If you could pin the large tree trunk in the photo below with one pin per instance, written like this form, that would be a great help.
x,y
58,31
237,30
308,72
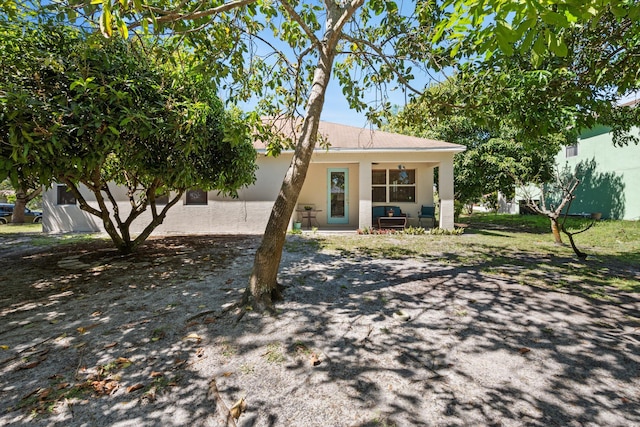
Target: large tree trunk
x,y
263,285
555,229
23,196
18,210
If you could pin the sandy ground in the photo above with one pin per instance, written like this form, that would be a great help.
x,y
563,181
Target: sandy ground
x,y
91,338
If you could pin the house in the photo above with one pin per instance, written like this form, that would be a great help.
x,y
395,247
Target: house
x,y
361,169
609,175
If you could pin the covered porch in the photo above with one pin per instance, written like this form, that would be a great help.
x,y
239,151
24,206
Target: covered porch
x,y
341,189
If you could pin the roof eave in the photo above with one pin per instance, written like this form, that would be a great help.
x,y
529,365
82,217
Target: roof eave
x,y
456,149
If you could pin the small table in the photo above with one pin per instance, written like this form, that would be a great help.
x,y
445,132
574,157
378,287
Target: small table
x,y
308,214
392,222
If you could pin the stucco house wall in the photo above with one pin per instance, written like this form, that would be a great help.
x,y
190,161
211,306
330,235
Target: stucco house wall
x,y
609,175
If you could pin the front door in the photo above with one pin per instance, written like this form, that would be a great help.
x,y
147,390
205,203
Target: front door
x,y
338,188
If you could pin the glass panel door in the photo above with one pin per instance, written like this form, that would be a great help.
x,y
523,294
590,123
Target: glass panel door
x,y
338,188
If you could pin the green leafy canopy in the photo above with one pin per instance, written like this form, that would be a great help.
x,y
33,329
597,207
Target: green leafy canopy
x,y
81,109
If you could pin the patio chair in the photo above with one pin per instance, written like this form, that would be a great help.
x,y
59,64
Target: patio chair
x,y
427,212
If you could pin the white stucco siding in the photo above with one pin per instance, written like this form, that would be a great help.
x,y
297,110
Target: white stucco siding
x,y
248,214
446,193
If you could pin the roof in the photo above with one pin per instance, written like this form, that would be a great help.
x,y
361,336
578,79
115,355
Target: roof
x,y
350,138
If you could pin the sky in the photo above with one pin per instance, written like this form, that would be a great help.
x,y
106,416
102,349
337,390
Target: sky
x,y
336,109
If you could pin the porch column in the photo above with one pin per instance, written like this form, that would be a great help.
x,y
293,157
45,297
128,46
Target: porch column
x,y
445,187
364,187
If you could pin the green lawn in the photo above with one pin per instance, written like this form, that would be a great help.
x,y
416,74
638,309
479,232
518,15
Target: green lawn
x,y
519,247
513,246
18,234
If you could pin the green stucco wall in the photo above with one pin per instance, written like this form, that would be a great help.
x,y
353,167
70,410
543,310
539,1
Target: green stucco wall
x,y
610,176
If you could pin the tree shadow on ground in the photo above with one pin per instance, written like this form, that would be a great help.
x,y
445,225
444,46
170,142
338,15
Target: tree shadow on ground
x,y
480,346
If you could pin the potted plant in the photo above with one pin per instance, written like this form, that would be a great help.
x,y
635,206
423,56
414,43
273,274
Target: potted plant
x,y
308,208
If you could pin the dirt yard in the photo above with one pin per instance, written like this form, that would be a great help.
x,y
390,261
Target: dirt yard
x,y
92,338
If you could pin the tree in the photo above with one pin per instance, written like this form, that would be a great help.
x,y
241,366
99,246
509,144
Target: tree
x,y
25,192
554,202
80,109
495,159
561,68
378,41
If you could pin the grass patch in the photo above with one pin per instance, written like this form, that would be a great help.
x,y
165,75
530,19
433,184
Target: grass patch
x,y
20,234
12,228
519,248
274,353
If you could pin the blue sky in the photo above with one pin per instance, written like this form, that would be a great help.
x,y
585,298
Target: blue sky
x,y
336,109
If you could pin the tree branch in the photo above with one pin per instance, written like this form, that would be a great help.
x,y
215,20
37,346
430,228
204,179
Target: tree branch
x,y
344,17
385,58
173,16
297,18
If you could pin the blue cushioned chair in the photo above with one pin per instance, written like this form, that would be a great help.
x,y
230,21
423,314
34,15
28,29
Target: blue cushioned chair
x,y
427,212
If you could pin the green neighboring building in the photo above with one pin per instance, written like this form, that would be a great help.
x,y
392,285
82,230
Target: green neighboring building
x,y
610,175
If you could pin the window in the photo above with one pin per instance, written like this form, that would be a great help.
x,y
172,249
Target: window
x,y
379,185
65,197
572,150
393,185
196,197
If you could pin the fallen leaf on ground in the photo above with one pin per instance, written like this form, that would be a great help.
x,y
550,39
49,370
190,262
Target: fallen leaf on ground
x,y
4,347
237,409
134,387
193,336
110,345
156,374
315,359
43,395
104,386
29,365
524,350
123,362
84,329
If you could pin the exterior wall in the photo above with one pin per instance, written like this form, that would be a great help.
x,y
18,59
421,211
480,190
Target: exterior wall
x,y
609,176
248,214
314,192
360,165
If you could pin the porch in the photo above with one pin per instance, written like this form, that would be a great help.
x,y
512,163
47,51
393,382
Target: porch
x,y
340,196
